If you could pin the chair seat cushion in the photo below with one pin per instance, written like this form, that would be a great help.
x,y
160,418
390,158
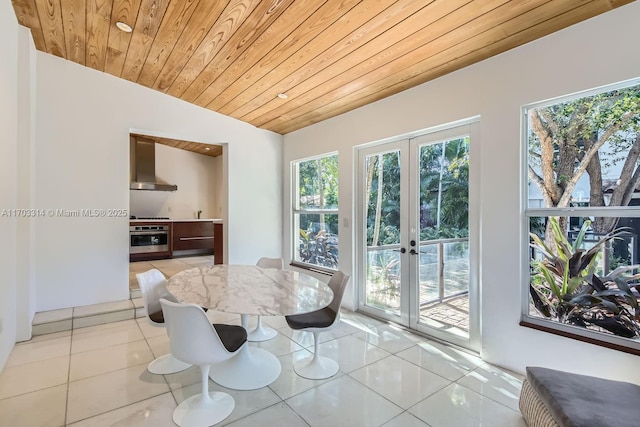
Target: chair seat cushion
x,y
322,318
584,401
232,336
158,316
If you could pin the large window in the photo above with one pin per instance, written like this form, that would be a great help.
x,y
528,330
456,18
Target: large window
x,y
315,212
583,215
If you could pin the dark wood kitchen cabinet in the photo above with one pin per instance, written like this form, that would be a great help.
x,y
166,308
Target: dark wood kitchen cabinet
x,y
193,235
218,246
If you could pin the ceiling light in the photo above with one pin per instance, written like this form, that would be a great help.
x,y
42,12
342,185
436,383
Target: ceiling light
x,y
124,27
283,96
207,148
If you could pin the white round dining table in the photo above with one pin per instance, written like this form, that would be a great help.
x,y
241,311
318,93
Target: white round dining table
x,y
249,290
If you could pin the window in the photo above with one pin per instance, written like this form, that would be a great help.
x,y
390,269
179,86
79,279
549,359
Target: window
x,y
315,212
583,216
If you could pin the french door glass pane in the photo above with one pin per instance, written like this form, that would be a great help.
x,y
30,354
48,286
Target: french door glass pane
x,y
456,268
383,279
428,274
444,229
382,287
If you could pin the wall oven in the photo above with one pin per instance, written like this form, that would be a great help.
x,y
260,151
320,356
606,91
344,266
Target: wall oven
x,y
149,241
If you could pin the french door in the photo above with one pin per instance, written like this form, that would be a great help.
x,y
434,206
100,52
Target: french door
x,y
417,245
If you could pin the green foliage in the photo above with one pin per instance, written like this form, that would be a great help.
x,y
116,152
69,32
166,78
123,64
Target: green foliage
x,y
390,207
537,225
383,278
319,248
318,182
384,268
444,190
318,189
565,286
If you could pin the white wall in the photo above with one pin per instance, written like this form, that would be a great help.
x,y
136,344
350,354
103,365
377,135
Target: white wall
x,y
82,162
219,186
196,177
25,245
594,53
8,176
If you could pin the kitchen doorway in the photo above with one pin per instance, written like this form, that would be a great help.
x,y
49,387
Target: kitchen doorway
x,y
188,187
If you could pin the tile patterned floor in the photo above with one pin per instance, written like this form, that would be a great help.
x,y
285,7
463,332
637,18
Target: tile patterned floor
x,y
96,376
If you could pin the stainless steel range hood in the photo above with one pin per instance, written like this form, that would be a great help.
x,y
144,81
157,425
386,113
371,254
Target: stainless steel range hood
x,y
143,166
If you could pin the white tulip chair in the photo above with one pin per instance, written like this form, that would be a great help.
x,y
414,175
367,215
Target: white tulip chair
x,y
195,340
318,367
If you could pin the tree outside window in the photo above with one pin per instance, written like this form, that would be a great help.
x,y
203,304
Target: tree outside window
x,y
584,210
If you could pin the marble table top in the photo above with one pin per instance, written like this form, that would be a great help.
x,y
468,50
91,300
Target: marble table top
x,y
247,289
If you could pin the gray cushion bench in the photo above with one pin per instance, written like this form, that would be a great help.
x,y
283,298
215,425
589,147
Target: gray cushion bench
x,y
551,398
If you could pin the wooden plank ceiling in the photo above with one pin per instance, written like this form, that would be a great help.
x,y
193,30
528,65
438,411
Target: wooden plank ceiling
x,y
196,147
328,56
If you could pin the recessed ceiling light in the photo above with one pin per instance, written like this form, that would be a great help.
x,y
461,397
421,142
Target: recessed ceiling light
x,y
207,148
124,27
283,96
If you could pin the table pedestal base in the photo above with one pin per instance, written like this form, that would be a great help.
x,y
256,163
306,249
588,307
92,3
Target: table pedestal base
x,y
250,369
260,333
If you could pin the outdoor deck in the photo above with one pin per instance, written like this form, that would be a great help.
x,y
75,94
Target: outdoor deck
x,y
451,313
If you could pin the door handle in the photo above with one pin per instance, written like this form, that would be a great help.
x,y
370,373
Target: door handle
x,y
413,252
401,250
196,238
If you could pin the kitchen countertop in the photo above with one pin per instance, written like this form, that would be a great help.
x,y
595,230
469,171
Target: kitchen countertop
x,y
214,220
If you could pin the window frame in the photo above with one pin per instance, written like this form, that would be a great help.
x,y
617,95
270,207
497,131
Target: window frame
x,y
297,210
612,341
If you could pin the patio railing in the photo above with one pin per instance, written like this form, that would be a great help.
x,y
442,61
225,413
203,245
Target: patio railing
x,y
444,269
443,274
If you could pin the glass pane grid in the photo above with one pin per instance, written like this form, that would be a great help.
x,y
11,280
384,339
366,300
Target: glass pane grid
x,y
583,212
443,273
315,212
382,219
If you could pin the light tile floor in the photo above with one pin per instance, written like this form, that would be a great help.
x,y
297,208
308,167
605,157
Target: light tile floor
x,y
96,376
